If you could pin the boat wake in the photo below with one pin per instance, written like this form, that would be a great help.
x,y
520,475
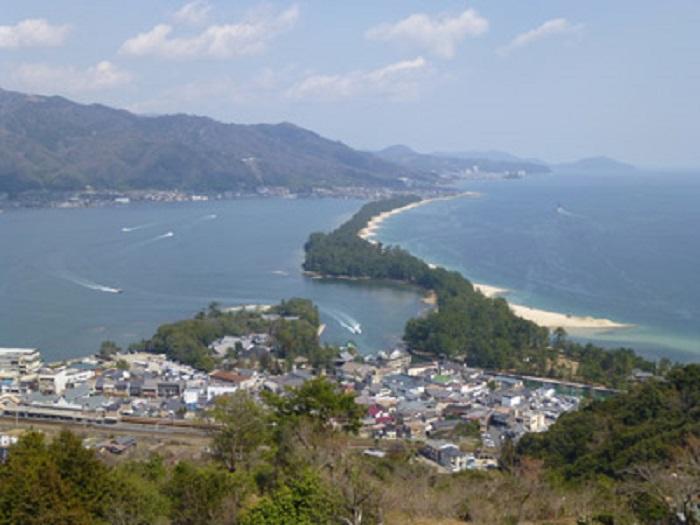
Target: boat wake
x,y
166,235
348,323
566,213
94,286
280,272
129,229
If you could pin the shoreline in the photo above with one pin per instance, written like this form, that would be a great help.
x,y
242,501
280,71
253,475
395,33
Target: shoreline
x,y
545,318
368,232
550,319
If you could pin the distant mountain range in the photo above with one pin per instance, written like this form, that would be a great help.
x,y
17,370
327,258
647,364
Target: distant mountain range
x,y
460,163
53,144
493,161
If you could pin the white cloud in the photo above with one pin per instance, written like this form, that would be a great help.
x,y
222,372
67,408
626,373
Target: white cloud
x,y
398,81
556,26
69,79
439,34
194,13
216,41
33,32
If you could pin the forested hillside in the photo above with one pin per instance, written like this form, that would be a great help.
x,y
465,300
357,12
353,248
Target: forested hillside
x,y
53,144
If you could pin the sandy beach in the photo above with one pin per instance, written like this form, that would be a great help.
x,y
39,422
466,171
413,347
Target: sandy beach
x,y
541,317
551,319
368,232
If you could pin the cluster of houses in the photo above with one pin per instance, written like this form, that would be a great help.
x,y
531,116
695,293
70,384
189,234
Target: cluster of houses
x,y
439,404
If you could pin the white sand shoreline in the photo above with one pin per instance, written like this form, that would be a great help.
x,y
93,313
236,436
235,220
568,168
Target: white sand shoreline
x,y
538,316
368,232
550,319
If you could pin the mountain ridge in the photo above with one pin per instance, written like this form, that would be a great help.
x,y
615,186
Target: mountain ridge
x,y
50,143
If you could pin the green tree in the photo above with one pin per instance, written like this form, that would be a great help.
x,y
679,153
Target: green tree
x,y
198,494
108,349
242,427
320,401
301,501
33,491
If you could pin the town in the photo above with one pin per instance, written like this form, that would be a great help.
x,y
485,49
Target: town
x,y
459,416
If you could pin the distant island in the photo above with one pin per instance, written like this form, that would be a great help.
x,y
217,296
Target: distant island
x,y
595,165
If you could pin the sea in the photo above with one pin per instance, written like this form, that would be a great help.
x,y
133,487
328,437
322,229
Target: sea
x,y
72,278
622,247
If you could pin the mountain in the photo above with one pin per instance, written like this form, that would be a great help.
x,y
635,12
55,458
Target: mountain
x,y
595,165
53,144
495,155
445,164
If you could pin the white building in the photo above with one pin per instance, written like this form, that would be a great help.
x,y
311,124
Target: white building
x,y
57,380
20,361
220,390
534,421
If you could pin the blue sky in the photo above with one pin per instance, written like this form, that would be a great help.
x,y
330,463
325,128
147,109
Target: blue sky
x,y
556,80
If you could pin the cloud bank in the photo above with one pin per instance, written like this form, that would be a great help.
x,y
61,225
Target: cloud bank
x,y
439,35
556,26
32,32
398,81
216,41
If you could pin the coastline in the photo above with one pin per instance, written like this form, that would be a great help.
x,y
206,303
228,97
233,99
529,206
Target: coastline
x,y
368,232
545,318
551,319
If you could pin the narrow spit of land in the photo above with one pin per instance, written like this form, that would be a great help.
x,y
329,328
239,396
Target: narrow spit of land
x,y
469,322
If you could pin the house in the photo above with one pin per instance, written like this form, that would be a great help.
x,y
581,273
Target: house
x,y
447,455
352,371
534,421
239,378
169,388
213,391
418,369
453,459
511,399
397,359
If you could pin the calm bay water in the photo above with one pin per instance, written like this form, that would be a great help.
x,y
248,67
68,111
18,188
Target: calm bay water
x,y
59,270
620,247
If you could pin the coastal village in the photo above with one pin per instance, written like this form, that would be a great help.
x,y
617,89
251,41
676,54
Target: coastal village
x,y
458,417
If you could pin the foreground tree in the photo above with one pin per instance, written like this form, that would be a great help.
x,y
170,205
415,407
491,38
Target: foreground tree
x,y
242,426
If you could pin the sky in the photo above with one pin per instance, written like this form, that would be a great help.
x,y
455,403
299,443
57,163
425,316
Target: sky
x,y
551,79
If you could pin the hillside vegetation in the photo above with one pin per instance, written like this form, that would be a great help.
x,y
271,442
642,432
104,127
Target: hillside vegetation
x,y
53,144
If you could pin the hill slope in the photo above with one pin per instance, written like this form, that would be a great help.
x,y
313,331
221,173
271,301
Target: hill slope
x,y
51,143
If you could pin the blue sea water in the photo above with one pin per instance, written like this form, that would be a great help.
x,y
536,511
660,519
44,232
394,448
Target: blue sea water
x,y
620,247
623,247
60,269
